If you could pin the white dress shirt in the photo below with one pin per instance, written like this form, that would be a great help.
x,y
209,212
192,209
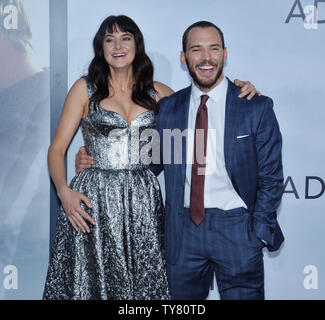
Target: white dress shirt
x,y
218,189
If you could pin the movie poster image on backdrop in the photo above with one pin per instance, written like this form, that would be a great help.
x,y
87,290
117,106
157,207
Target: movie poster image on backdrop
x,y
24,139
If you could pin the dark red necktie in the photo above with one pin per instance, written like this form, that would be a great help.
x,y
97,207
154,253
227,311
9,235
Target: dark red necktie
x,y
198,167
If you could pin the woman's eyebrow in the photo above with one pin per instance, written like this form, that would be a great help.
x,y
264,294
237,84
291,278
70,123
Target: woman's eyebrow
x,y
123,34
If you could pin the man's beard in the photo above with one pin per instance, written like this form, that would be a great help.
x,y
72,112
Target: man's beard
x,y
200,83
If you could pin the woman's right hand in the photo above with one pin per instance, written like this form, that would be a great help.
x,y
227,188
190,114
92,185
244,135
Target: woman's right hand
x,y
71,204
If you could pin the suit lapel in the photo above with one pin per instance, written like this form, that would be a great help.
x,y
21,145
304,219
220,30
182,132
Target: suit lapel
x,y
233,115
234,109
182,107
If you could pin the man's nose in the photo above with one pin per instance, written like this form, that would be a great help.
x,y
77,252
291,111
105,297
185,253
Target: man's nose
x,y
206,55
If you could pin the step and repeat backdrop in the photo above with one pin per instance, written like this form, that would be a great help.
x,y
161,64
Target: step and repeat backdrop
x,y
24,140
277,45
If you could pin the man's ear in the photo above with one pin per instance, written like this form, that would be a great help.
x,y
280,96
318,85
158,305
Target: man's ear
x,y
225,54
183,60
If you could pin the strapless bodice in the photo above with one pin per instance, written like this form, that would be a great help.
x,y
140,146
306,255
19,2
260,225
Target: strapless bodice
x,y
115,144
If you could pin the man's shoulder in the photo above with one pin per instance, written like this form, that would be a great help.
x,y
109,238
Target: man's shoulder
x,y
256,101
260,101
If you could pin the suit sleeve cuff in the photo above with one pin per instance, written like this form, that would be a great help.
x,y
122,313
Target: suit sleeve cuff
x,y
264,232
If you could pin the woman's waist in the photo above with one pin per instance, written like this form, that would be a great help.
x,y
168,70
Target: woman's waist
x,y
92,175
111,168
119,160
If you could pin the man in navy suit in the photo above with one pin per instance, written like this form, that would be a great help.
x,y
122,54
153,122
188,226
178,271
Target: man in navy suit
x,y
221,208
221,203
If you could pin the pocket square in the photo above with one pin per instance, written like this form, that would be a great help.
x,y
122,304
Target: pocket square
x,y
240,137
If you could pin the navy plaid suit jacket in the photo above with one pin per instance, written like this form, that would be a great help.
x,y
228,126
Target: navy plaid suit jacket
x,y
253,163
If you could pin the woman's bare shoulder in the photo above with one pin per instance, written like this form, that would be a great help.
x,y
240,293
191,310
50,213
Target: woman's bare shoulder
x,y
80,85
79,91
77,97
162,90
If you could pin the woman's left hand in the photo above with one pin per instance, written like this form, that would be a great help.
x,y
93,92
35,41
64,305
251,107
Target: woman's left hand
x,y
247,88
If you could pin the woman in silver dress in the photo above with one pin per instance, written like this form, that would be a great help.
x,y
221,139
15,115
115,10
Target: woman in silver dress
x,y
109,237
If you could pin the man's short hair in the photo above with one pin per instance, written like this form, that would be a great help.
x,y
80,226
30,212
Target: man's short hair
x,y
201,24
21,36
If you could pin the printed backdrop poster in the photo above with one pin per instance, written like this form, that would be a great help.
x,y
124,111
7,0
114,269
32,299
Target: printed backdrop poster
x,y
277,45
24,140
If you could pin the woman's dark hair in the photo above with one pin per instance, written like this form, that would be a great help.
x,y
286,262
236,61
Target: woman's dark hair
x,y
99,72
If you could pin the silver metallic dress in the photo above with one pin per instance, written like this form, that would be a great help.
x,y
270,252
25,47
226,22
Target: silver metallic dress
x,y
123,255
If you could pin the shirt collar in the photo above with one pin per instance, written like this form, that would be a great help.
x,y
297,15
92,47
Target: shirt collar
x,y
215,94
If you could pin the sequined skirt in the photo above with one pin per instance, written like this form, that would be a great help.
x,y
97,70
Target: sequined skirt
x,y
123,255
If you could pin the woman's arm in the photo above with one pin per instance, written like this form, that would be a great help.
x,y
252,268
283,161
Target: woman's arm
x,y
75,107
